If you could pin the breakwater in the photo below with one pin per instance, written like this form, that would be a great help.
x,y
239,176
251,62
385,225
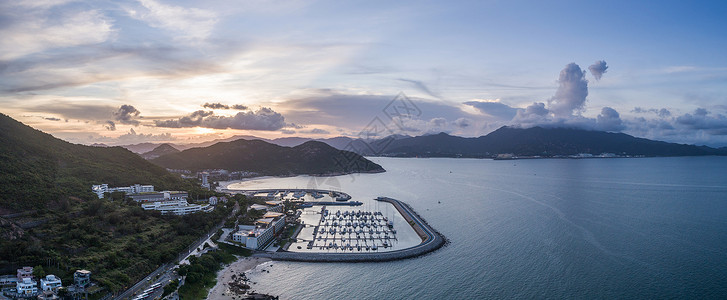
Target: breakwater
x,y
431,240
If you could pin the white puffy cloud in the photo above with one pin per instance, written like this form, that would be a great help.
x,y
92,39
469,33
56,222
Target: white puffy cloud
x,y
570,97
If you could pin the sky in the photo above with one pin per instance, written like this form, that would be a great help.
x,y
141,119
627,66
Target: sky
x,y
126,72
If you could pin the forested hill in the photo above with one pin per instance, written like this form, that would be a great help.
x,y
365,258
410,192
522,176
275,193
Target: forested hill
x,y
312,158
37,170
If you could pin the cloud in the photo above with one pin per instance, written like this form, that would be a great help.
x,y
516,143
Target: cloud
x,y
75,111
437,122
572,92
703,120
663,112
224,106
462,122
598,68
497,110
192,24
110,125
420,86
215,106
126,115
533,114
609,120
287,131
51,118
316,131
263,119
192,120
36,29
133,137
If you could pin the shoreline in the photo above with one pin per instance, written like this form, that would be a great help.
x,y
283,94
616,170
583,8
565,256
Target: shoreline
x,y
221,290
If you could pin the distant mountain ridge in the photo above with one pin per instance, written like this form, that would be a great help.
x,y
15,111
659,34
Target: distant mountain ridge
x,y
311,158
535,141
160,150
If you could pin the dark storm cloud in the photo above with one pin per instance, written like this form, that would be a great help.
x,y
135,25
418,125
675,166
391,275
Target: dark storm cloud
x,y
110,125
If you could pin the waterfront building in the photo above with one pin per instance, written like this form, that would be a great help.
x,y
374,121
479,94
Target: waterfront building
x,y
50,283
82,278
256,237
27,287
175,207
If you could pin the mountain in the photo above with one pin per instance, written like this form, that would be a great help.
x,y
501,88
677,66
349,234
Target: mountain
x,y
535,141
312,157
160,150
37,169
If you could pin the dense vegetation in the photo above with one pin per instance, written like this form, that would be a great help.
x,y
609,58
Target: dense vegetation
x,y
530,142
314,158
50,218
118,241
38,170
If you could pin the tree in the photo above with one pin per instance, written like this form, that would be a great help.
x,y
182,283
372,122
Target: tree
x,y
38,271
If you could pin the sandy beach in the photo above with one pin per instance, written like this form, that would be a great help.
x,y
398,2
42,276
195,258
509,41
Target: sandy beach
x,y
222,290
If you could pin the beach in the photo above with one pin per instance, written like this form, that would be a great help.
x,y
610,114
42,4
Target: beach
x,y
232,273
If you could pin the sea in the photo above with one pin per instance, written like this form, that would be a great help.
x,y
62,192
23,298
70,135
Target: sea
x,y
617,228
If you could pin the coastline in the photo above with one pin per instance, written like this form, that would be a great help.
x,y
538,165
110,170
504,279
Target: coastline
x,y
221,289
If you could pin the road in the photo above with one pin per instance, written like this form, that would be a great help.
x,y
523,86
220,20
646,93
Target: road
x,y
168,269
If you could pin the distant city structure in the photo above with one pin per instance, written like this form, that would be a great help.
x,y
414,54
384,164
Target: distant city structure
x,y
100,189
205,178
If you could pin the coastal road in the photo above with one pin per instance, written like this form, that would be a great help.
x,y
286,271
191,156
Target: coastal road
x,y
169,267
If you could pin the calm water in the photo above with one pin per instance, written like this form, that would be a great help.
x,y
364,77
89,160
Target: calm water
x,y
592,228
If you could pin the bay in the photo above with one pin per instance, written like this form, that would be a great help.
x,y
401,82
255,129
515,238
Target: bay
x,y
547,228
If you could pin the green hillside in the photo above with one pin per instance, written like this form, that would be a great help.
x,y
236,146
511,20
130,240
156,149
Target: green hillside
x,y
38,170
50,218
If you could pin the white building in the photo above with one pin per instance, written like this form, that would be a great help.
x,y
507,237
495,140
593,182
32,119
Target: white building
x,y
100,189
175,207
159,196
258,236
50,283
205,179
27,287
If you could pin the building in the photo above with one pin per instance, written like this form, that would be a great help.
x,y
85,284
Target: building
x,y
25,272
82,278
100,189
159,196
6,280
205,179
27,287
50,283
213,200
175,207
256,237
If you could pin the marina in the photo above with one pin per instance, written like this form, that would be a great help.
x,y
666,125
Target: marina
x,y
352,231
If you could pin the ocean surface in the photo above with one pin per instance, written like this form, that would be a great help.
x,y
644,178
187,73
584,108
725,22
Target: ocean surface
x,y
551,228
